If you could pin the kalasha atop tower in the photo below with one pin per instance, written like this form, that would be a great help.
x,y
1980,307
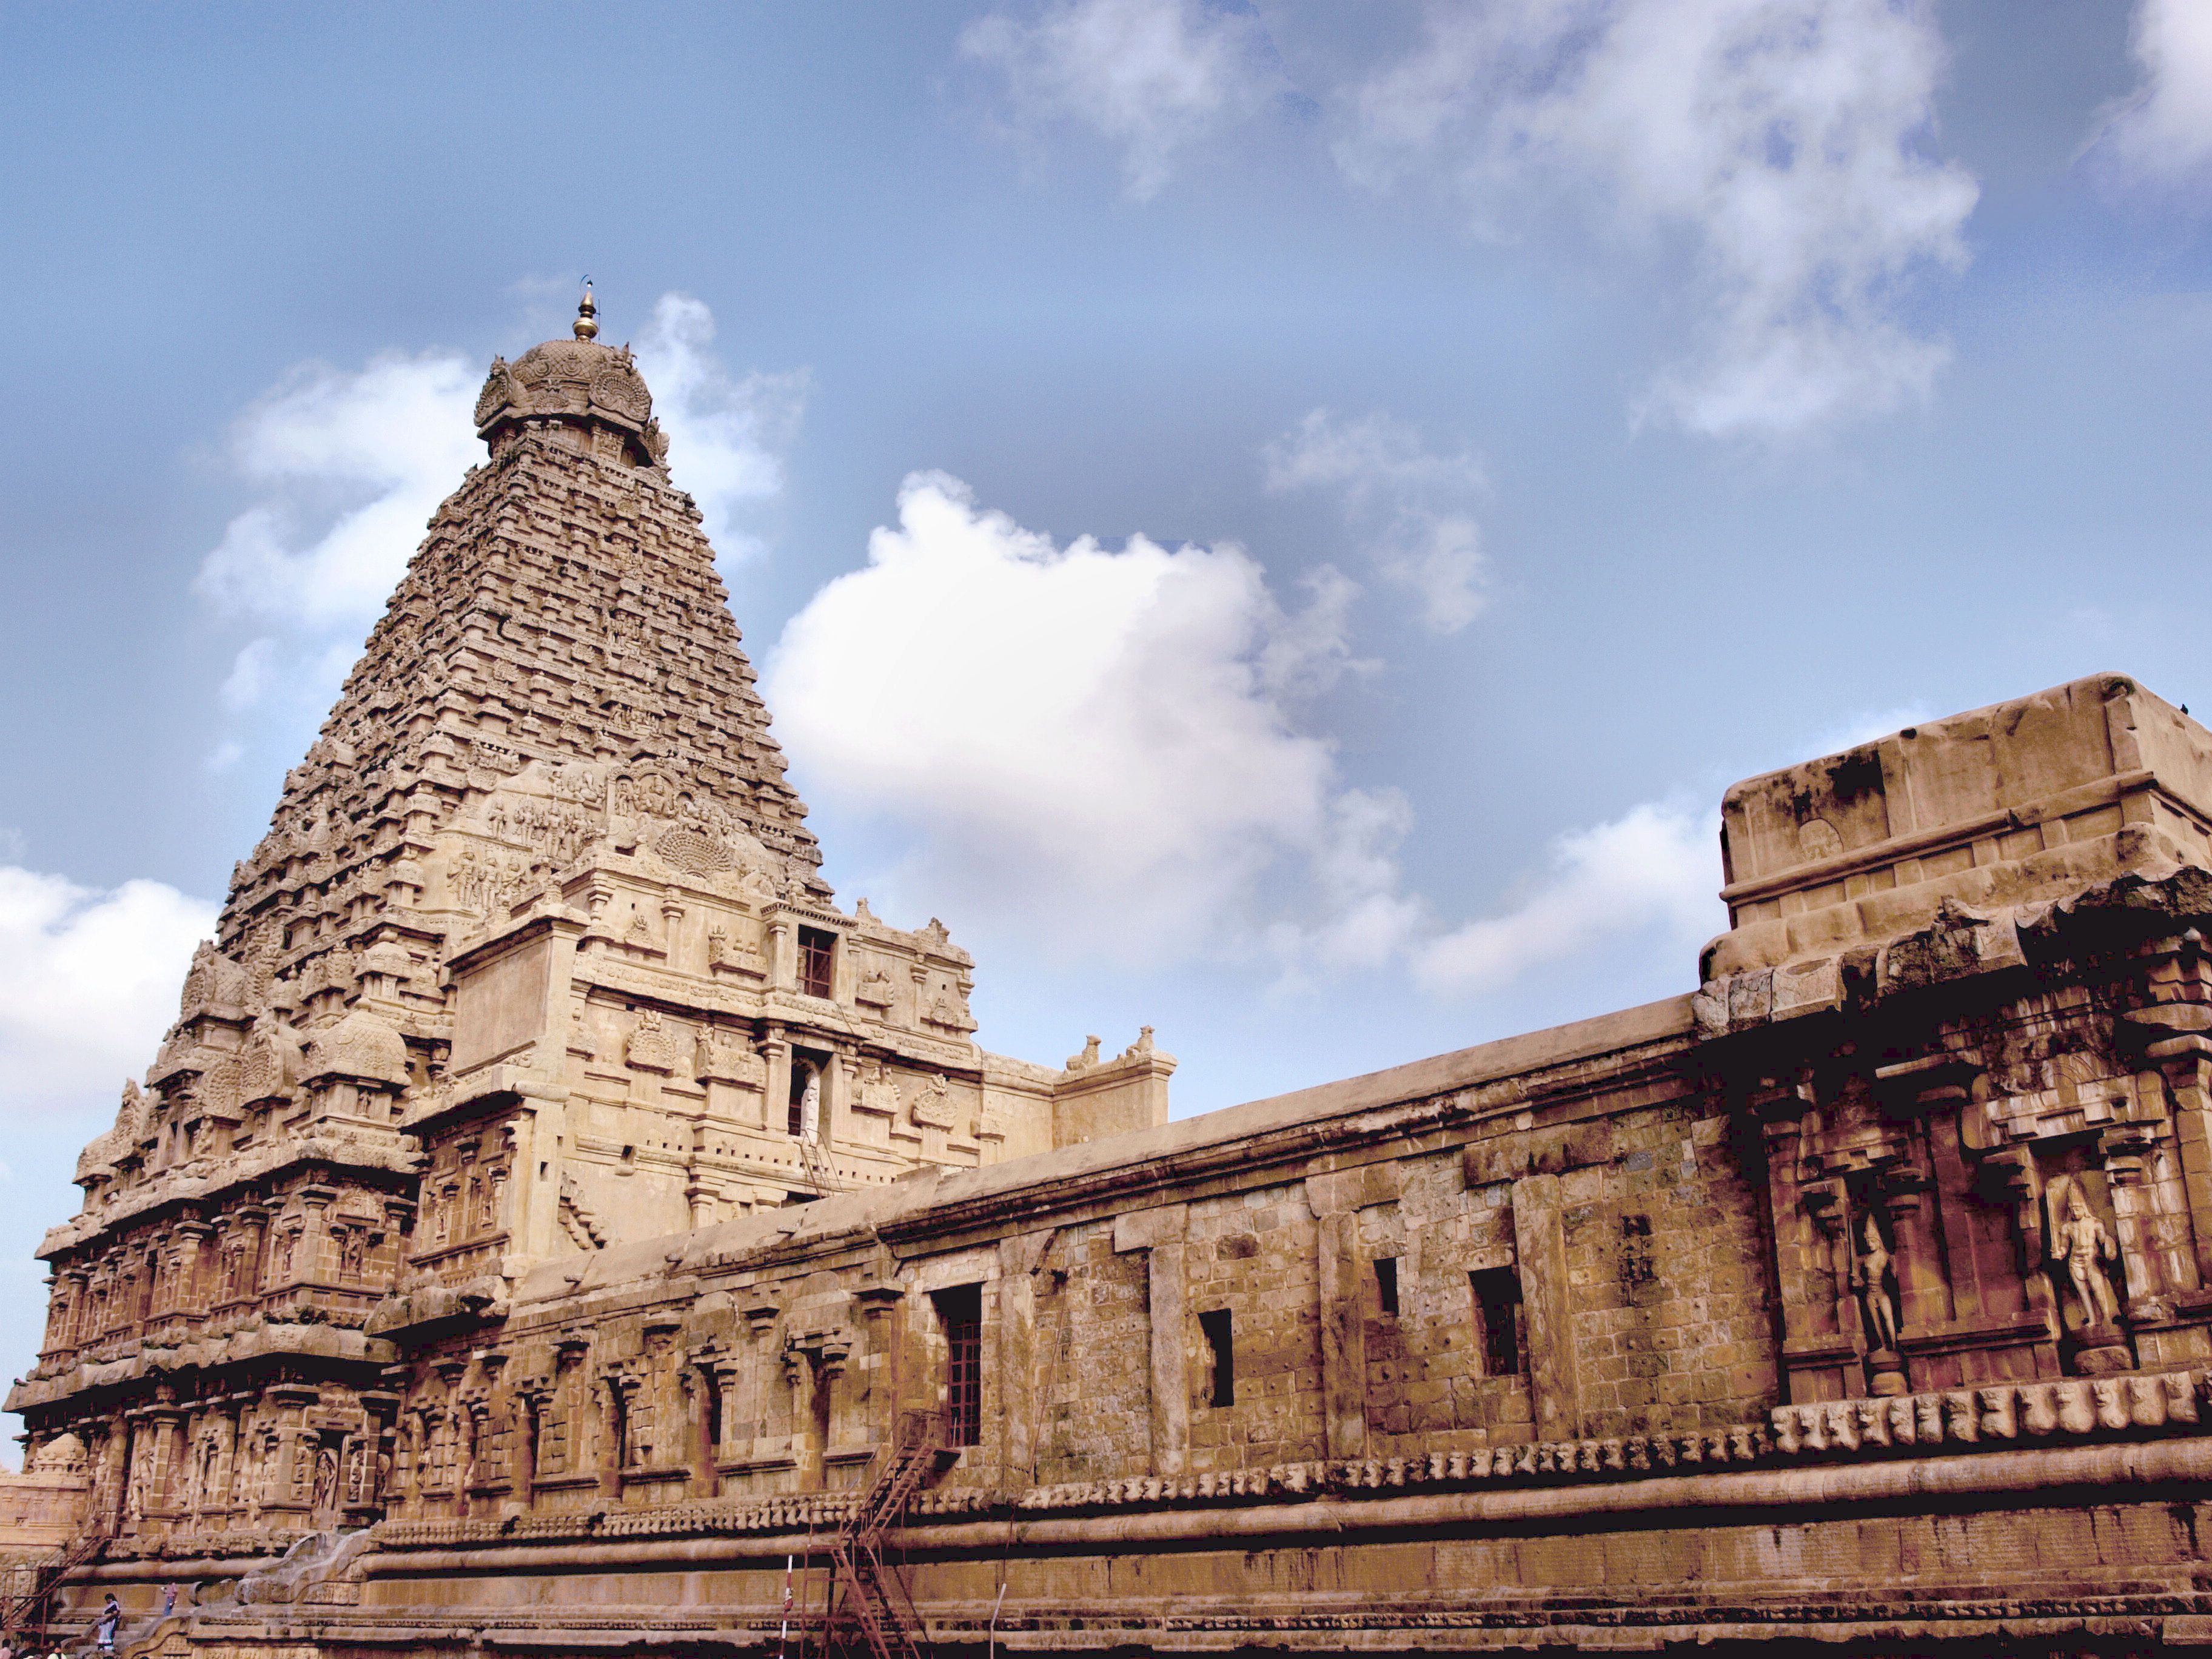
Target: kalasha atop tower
x,y
536,956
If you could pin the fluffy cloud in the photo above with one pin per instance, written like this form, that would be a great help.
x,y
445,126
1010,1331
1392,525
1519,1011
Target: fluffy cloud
x,y
1153,76
1102,747
725,437
350,464
1779,140
1409,505
87,984
2162,133
1655,870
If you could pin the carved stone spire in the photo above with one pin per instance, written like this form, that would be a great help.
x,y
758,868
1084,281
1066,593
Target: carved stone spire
x,y
563,608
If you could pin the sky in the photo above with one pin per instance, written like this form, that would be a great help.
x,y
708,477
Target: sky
x,y
1278,521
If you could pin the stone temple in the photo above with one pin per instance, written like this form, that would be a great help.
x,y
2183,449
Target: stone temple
x,y
554,1223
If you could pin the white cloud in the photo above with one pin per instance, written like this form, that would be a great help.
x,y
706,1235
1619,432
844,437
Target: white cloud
x,y
726,438
2162,133
249,675
1153,76
366,456
1654,870
1780,140
88,985
1101,748
1408,505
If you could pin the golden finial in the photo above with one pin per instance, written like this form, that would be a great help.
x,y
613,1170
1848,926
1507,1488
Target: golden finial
x,y
588,312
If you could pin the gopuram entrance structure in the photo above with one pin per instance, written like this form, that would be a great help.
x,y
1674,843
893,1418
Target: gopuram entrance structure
x,y
554,1224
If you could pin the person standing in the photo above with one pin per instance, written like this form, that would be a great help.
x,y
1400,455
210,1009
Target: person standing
x,y
110,1616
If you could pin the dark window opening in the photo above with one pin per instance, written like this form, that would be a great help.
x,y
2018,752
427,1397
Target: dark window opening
x,y
960,1309
1221,1386
621,1436
1386,1284
1498,1317
713,1417
818,956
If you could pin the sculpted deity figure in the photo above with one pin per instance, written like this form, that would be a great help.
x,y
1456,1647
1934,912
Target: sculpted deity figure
x,y
1871,1276
810,1108
2081,1245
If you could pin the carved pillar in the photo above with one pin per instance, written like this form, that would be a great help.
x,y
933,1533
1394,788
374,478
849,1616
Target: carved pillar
x,y
617,1446
315,1264
782,960
1820,1347
761,1319
879,1299
534,1400
291,1487
252,1225
1540,1239
834,1410
1160,1233
1016,1380
189,1295
836,1119
712,1379
164,1426
776,1052
123,1439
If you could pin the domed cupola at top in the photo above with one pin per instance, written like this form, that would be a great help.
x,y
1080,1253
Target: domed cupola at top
x,y
584,394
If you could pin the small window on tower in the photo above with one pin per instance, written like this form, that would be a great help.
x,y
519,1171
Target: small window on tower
x,y
1221,1388
1497,1319
1386,1284
817,957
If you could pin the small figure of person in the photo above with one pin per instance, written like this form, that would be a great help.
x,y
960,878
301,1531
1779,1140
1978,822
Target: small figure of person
x,y
2082,1244
1877,1288
111,1617
168,1599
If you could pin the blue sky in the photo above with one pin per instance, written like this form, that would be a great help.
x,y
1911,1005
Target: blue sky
x,y
1530,415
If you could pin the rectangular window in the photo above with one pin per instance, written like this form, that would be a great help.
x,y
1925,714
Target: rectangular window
x,y
961,1311
1221,1386
1386,1284
817,957
1497,1319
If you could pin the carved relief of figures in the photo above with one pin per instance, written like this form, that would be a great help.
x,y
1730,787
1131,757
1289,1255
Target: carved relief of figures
x,y
649,1049
726,1057
488,1212
1874,1279
873,1091
810,1107
2081,1248
949,1008
327,1479
723,952
930,1104
875,987
353,1253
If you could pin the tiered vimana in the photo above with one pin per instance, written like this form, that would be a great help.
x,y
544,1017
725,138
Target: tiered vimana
x,y
536,956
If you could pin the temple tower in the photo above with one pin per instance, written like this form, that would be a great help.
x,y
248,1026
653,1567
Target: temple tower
x,y
536,956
